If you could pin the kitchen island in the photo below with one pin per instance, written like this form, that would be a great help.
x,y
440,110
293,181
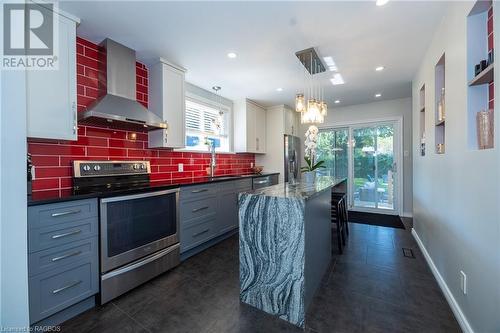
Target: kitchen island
x,y
285,245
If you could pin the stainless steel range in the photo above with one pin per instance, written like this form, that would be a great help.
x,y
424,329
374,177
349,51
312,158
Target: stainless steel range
x,y
138,225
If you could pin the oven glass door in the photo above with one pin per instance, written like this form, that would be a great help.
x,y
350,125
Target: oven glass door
x,y
137,225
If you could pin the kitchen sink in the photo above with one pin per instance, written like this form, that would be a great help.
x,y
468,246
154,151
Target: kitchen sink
x,y
225,177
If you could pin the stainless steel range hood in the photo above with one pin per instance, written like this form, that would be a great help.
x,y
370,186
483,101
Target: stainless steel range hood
x,y
118,107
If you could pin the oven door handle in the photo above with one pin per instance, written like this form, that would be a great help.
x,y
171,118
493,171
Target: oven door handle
x,y
139,196
141,263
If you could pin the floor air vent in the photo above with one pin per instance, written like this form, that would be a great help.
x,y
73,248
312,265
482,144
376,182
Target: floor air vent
x,y
408,253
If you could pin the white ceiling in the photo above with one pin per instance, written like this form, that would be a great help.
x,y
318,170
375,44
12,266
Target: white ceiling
x,y
265,36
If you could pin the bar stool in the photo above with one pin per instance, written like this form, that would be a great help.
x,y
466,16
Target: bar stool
x,y
338,218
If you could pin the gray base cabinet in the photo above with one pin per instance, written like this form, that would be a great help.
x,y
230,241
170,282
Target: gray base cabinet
x,y
63,256
209,211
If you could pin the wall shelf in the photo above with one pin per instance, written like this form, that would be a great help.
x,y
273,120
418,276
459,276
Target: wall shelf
x,y
422,121
485,77
440,104
480,88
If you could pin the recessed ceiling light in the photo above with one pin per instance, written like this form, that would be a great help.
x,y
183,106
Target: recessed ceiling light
x,y
379,68
231,55
381,2
332,67
337,101
279,89
378,95
337,79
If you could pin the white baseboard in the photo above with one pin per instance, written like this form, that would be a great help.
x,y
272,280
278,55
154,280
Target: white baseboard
x,y
457,311
407,214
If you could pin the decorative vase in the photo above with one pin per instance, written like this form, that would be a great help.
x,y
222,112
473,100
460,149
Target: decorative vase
x,y
309,177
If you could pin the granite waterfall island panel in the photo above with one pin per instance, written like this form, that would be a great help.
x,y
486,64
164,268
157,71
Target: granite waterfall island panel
x,y
285,246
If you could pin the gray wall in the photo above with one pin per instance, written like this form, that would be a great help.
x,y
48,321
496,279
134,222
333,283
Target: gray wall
x,y
13,208
456,195
341,116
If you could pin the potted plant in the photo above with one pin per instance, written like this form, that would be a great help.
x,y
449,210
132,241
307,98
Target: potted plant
x,y
310,170
310,153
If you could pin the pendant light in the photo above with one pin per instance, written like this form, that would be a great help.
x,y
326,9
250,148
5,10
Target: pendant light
x,y
313,109
217,121
300,103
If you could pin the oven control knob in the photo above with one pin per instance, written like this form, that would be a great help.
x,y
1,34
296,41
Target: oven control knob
x,y
86,167
143,167
136,166
97,168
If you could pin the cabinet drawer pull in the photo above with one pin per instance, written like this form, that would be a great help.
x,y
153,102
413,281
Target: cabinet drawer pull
x,y
261,181
72,284
74,232
201,233
64,256
69,212
199,191
198,209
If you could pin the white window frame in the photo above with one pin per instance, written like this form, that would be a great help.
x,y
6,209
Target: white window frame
x,y
229,122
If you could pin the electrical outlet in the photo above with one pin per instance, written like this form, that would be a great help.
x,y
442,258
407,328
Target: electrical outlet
x,y
251,164
180,167
463,282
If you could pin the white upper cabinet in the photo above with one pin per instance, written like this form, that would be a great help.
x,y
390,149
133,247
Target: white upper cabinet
x,y
51,94
249,127
167,98
291,121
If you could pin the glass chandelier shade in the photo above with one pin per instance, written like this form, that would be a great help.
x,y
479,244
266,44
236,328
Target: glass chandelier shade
x,y
300,103
313,113
323,108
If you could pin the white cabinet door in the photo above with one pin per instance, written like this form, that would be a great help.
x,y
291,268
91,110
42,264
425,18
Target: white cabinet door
x,y
51,94
291,122
260,130
249,127
251,115
168,101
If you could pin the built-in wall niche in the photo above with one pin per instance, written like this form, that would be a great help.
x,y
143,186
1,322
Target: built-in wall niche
x,y
422,120
440,114
480,70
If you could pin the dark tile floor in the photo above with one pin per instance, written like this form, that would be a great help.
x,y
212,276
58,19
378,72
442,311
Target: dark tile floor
x,y
372,287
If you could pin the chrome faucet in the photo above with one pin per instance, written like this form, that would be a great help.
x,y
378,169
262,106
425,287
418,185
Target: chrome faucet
x,y
213,163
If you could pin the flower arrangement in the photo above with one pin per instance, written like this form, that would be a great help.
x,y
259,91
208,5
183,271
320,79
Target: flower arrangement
x,y
311,144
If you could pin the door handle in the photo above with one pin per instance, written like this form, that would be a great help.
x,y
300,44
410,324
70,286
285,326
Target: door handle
x,y
69,212
64,256
72,284
201,233
199,191
74,232
262,182
199,209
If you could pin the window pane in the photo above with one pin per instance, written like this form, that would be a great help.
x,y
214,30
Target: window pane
x,y
203,123
192,119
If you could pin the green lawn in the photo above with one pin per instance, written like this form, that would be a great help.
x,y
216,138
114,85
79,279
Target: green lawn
x,y
359,182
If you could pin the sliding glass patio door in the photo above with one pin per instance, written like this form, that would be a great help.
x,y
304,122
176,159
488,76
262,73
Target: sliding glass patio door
x,y
367,154
373,179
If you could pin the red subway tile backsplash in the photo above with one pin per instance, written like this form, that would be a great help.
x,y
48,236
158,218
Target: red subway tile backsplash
x,y
53,160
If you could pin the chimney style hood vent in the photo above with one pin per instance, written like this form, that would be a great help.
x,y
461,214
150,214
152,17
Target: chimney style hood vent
x,y
117,107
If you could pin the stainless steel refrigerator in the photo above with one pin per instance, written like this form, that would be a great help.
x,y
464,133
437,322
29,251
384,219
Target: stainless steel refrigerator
x,y
293,156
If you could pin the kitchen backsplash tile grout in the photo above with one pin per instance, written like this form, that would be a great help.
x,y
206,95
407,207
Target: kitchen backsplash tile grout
x,y
53,159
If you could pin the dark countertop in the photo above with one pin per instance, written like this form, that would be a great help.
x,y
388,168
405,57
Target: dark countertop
x,y
301,190
41,198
